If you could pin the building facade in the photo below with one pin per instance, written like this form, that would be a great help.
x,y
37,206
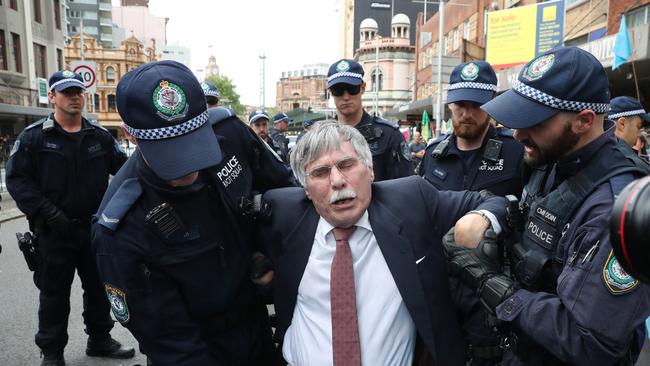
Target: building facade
x,y
303,88
138,22
389,64
178,53
112,64
32,43
353,12
211,69
97,20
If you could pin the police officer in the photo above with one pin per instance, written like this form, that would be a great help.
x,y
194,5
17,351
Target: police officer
x,y
248,165
390,154
277,132
630,118
476,156
57,173
172,252
212,95
258,120
568,301
306,125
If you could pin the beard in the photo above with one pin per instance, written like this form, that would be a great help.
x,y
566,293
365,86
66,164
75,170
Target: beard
x,y
470,131
553,150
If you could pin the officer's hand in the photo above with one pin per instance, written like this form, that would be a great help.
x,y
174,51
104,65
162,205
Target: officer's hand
x,y
495,290
472,266
56,220
470,228
261,270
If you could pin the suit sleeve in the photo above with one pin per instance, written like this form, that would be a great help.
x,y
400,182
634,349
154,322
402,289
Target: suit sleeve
x,y
148,303
21,177
592,318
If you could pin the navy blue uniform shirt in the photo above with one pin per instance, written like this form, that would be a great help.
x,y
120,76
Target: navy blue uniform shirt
x,y
70,170
459,170
391,157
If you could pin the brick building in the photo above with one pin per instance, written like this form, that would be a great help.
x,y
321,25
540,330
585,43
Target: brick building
x,y
303,88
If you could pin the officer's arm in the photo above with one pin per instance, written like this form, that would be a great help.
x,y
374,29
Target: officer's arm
x,y
117,156
147,303
21,180
598,307
399,163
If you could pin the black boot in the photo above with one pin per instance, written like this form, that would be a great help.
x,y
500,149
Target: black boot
x,y
108,347
53,360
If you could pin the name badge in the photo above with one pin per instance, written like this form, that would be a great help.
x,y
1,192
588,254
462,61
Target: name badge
x,y
439,173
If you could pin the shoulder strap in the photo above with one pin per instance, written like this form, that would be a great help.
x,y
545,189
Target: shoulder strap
x,y
120,204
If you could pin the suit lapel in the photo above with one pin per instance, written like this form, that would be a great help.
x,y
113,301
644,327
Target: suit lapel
x,y
296,249
398,253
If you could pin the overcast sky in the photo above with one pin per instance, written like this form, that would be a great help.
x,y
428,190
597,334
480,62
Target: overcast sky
x,y
290,33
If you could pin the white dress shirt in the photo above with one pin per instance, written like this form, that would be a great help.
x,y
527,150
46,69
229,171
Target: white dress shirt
x,y
386,330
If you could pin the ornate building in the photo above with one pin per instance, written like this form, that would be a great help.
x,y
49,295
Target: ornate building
x,y
112,64
303,88
211,68
389,64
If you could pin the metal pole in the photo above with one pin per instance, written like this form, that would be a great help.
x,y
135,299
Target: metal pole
x,y
424,14
441,29
375,77
262,81
81,35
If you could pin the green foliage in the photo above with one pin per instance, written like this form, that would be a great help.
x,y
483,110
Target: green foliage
x,y
229,97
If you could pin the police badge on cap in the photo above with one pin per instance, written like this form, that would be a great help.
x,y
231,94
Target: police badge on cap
x,y
169,100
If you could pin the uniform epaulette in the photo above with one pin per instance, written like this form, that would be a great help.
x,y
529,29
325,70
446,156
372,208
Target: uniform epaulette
x,y
216,115
96,124
120,203
37,123
504,131
437,140
386,122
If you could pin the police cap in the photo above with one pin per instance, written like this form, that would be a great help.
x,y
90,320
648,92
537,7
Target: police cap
x,y
65,79
627,106
163,107
562,79
345,72
473,81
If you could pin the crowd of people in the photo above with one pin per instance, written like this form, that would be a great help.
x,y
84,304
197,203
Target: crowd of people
x,y
486,246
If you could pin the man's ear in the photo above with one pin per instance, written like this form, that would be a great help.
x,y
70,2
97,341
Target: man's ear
x,y
307,193
50,96
585,121
620,124
129,136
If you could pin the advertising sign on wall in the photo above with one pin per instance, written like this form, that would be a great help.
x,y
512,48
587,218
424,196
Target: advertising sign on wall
x,y
515,36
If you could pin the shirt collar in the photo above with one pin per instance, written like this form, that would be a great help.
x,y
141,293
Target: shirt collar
x,y
324,228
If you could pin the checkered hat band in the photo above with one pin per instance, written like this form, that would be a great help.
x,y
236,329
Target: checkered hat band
x,y
557,103
635,112
472,85
212,93
71,80
168,132
345,74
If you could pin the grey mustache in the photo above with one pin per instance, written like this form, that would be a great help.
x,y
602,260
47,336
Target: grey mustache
x,y
341,195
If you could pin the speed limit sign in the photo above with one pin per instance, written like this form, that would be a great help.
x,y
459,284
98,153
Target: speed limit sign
x,y
88,72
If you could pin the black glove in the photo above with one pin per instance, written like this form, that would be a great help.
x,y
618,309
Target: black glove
x,y
56,220
479,268
473,265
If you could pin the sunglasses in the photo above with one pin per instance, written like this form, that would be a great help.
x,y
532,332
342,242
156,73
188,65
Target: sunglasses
x,y
338,89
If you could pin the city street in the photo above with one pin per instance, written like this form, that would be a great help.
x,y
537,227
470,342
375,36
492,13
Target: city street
x,y
18,313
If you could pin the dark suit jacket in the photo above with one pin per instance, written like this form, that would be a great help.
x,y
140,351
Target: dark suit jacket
x,y
408,218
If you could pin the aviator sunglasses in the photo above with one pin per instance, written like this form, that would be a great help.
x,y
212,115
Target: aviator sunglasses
x,y
338,89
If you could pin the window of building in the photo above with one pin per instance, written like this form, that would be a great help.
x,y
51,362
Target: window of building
x,y
111,103
638,17
90,30
40,60
96,102
3,51
59,58
377,78
110,74
446,44
13,4
57,14
18,61
466,30
90,15
37,11
455,38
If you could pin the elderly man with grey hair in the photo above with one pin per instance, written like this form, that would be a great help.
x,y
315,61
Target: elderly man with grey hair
x,y
360,275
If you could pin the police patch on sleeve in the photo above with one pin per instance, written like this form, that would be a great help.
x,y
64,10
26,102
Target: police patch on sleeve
x,y
406,153
617,281
117,299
